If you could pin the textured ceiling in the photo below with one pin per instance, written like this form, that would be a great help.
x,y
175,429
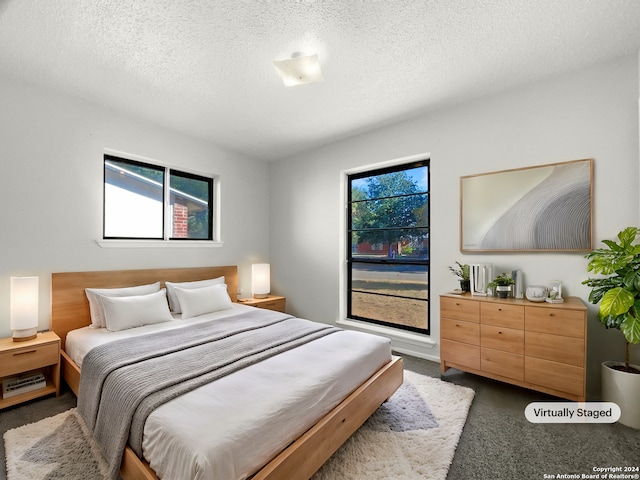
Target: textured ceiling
x,y
204,67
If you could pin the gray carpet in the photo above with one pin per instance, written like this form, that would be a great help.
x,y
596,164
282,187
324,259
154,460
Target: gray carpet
x,y
497,441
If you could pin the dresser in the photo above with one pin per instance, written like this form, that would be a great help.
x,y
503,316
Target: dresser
x,y
541,346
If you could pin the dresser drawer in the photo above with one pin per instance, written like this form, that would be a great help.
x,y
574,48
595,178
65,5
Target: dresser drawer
x,y
460,353
557,321
500,338
554,347
558,376
465,332
20,360
458,309
501,363
511,316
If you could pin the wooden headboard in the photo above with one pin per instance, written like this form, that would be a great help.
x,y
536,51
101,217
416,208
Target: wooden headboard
x,y
69,304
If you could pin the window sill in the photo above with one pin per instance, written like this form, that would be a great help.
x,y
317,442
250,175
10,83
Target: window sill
x,y
402,341
158,244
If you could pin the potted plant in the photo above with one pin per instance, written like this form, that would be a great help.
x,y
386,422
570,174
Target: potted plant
x,y
502,285
619,296
463,272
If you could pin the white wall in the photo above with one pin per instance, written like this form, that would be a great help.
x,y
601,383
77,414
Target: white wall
x,y
51,150
592,113
51,154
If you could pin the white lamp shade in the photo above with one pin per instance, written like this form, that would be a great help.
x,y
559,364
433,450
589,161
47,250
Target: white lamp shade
x,y
23,307
260,279
299,70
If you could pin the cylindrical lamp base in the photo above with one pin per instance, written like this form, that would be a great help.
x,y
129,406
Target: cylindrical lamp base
x,y
24,335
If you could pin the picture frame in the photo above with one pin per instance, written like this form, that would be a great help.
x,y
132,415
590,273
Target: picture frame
x,y
555,292
531,209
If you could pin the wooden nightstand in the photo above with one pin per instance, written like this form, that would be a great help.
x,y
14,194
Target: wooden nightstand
x,y
272,302
41,353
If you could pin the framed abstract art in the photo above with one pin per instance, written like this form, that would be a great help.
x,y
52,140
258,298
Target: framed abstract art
x,y
540,208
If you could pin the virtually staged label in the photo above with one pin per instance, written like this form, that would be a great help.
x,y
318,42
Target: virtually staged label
x,y
572,412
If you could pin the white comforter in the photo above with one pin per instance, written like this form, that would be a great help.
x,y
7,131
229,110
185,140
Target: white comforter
x,y
230,428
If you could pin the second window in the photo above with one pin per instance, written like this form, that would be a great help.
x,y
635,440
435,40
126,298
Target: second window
x,y
145,201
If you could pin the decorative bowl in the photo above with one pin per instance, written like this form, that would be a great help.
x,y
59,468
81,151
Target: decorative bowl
x,y
537,293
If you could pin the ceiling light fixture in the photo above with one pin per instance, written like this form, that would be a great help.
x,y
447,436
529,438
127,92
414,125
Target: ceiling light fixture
x,y
299,69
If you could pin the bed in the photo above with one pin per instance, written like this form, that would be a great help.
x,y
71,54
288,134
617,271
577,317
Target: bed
x,y
299,457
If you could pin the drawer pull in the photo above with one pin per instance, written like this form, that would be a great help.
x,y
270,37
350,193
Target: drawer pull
x,y
499,309
24,353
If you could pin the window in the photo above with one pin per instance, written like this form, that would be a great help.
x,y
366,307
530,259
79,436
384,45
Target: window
x,y
144,201
388,246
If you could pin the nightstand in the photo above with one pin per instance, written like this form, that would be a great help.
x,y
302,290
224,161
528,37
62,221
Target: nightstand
x,y
41,353
271,302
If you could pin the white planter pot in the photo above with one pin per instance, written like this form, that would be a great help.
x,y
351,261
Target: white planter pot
x,y
623,389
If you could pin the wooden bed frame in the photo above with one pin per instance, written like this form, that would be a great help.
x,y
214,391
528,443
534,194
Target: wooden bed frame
x,y
302,458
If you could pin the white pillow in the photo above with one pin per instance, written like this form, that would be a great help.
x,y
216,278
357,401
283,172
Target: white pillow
x,y
198,301
121,313
95,295
174,303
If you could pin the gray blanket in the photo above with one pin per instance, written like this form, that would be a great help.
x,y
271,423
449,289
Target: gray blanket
x,y
122,382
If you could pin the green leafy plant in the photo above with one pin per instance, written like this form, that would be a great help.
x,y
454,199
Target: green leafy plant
x,y
461,270
503,280
619,292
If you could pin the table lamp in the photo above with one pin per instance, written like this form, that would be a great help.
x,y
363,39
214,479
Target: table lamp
x,y
23,308
260,280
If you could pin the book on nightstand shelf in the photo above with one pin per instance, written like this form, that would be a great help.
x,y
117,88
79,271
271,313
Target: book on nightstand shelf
x,y
26,382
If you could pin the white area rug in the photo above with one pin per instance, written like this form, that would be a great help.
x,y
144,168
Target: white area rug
x,y
412,436
399,442
58,447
